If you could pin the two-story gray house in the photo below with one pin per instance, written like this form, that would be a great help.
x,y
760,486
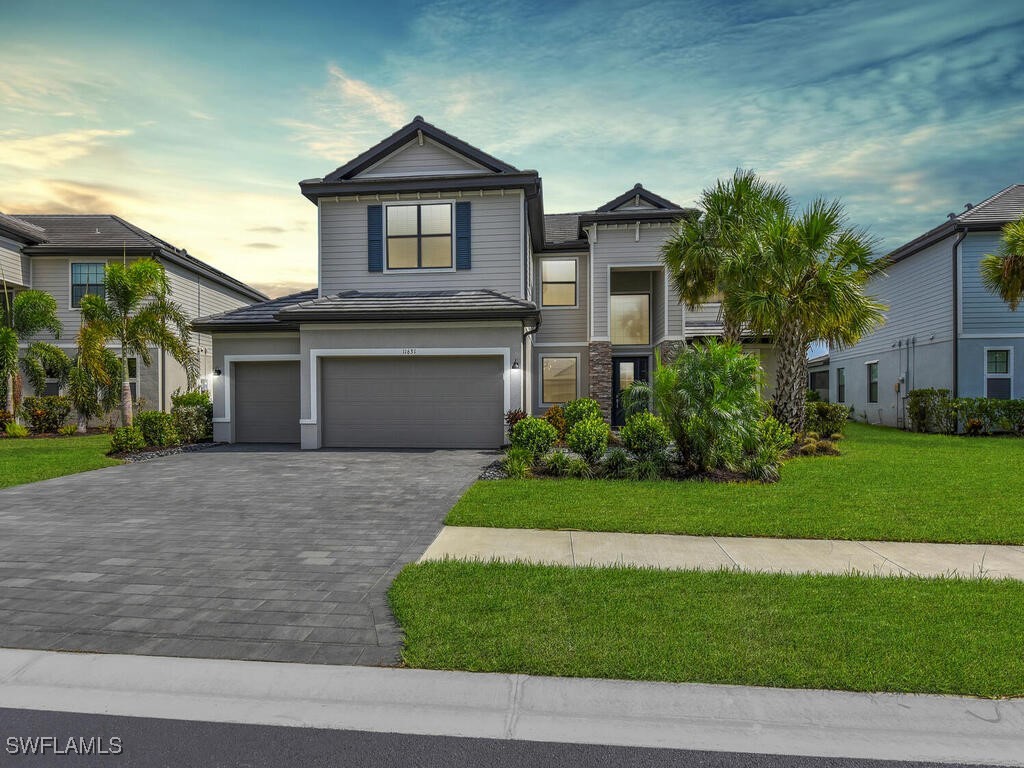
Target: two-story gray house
x,y
66,254
943,329
447,297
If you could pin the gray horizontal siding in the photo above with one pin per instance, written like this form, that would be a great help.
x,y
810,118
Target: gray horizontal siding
x,y
564,324
413,159
497,242
919,294
12,262
53,275
984,312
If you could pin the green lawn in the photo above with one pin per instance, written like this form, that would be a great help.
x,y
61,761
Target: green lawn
x,y
836,632
887,485
30,459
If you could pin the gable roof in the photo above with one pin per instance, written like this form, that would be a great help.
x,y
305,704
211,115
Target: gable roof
x,y
20,230
990,214
83,234
638,192
407,133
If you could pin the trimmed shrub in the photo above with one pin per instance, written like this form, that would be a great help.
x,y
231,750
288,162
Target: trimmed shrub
x,y
517,463
645,435
826,418
1012,417
589,439
924,407
46,414
126,440
555,416
157,429
192,413
514,416
15,430
535,435
617,464
556,463
774,434
578,410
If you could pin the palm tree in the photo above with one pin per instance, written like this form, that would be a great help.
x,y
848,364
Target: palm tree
x,y
807,282
706,257
21,317
136,314
93,392
1003,272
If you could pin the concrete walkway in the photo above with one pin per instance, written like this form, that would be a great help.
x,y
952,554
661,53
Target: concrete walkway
x,y
709,553
499,706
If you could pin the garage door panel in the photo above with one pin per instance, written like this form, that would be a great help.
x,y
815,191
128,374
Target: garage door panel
x,y
412,402
266,401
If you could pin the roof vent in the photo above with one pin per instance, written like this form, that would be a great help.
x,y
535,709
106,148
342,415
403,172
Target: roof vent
x,y
968,206
950,216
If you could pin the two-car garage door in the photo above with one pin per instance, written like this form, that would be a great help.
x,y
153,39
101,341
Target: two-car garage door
x,y
412,402
376,402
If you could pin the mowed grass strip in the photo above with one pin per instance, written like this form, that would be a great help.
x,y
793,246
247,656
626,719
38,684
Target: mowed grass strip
x,y
31,459
887,485
832,632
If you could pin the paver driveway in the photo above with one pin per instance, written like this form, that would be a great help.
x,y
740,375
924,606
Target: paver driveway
x,y
234,552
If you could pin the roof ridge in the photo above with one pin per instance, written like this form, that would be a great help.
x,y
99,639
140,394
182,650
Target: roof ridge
x,y
987,201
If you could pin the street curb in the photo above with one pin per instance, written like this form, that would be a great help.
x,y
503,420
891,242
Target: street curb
x,y
499,706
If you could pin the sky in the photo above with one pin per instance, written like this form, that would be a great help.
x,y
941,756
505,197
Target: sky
x,y
196,120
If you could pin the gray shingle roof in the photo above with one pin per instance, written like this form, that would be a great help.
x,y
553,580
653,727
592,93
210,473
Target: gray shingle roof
x,y
1004,206
474,304
255,314
645,194
110,233
21,229
561,228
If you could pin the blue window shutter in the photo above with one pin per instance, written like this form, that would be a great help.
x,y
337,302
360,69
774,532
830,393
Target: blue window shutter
x,y
463,236
375,238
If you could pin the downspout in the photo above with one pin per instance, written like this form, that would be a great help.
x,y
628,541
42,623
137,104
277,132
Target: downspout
x,y
956,312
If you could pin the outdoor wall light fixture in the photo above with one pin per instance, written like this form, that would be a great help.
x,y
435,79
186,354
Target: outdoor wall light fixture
x,y
216,371
515,364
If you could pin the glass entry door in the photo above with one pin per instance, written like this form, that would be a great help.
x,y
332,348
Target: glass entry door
x,y
625,370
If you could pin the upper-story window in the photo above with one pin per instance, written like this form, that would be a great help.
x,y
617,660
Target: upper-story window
x,y
630,318
419,236
558,283
85,278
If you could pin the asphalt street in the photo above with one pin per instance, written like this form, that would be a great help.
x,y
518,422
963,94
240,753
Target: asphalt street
x,y
154,743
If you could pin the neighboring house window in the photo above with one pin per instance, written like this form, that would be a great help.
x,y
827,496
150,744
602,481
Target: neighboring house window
x,y
841,385
872,382
85,279
558,382
133,376
819,380
558,283
998,374
419,236
630,318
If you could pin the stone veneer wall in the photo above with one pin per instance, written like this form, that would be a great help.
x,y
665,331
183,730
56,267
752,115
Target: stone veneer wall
x,y
600,375
669,350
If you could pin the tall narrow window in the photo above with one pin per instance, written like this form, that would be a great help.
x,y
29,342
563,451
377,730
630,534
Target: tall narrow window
x,y
630,318
86,278
419,236
558,283
873,382
998,374
558,379
840,385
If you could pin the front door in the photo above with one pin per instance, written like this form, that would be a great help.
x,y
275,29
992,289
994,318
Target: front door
x,y
625,370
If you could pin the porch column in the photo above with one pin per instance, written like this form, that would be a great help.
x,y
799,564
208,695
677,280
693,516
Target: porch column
x,y
600,375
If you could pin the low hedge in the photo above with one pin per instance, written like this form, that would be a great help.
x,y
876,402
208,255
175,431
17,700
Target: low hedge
x,y
935,410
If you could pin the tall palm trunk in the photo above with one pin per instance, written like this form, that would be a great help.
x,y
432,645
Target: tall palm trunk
x,y
127,417
732,329
9,405
791,376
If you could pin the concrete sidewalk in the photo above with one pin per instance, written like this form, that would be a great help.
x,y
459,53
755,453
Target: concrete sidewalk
x,y
564,710
585,548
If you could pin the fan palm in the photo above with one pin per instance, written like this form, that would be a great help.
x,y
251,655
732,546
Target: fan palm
x,y
22,316
807,282
1003,272
706,257
136,314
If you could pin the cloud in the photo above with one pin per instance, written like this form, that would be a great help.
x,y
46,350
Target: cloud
x,y
200,115
269,229
36,153
283,288
68,196
262,246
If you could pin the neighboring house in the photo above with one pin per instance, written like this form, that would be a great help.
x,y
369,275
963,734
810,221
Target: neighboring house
x,y
65,254
943,328
817,376
447,297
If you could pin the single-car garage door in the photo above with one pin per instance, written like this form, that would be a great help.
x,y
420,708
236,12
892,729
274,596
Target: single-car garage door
x,y
412,402
266,402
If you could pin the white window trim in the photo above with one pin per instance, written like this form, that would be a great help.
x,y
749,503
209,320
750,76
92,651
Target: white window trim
x,y
986,375
408,203
867,382
576,284
505,353
541,402
71,281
